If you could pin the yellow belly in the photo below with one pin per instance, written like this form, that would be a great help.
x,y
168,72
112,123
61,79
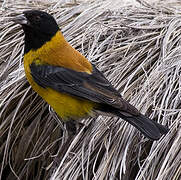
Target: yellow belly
x,y
67,107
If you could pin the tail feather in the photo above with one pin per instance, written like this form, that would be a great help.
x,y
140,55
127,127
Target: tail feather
x,y
147,126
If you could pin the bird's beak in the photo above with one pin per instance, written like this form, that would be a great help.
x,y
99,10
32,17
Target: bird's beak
x,y
20,19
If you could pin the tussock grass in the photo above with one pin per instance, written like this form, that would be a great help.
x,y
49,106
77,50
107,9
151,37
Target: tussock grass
x,y
138,48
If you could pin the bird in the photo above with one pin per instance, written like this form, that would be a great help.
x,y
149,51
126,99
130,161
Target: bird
x,y
68,81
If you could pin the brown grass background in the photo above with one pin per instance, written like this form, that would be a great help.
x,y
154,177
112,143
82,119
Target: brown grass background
x,y
137,45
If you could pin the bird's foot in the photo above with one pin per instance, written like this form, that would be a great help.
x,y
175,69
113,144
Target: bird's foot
x,y
73,127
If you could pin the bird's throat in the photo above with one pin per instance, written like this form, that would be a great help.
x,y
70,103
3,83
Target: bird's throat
x,y
35,40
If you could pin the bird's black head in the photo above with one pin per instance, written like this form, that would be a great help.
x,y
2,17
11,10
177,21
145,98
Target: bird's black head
x,y
39,27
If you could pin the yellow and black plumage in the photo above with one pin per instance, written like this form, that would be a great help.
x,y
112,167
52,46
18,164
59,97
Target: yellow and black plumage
x,y
68,82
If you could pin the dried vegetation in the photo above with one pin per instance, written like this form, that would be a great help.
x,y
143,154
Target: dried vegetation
x,y
138,47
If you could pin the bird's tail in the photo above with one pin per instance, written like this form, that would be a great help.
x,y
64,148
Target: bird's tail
x,y
147,126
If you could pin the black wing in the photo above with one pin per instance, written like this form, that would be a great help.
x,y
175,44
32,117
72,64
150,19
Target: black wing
x,y
94,87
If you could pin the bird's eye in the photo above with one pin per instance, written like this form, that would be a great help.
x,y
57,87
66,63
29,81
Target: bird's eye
x,y
37,18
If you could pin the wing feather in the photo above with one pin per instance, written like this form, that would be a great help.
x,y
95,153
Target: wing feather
x,y
94,87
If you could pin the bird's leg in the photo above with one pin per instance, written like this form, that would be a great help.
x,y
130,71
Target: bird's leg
x,y
73,127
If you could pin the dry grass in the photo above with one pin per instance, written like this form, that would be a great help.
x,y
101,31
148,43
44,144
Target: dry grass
x,y
139,49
